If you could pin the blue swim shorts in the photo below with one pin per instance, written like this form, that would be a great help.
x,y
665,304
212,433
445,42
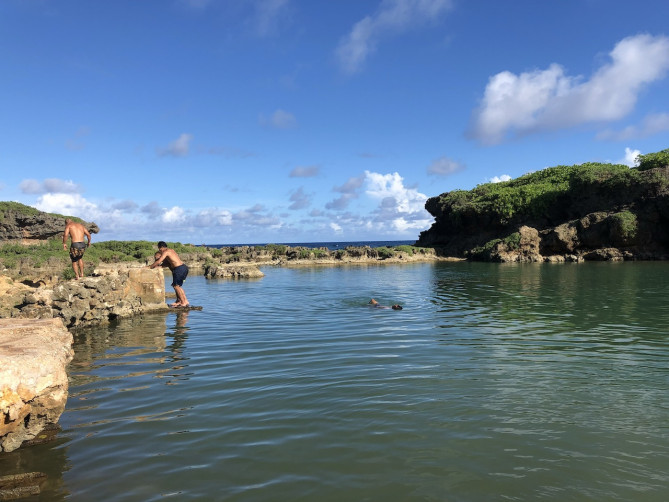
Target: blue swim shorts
x,y
179,275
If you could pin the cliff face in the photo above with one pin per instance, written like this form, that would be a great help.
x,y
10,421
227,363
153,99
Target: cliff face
x,y
27,225
582,214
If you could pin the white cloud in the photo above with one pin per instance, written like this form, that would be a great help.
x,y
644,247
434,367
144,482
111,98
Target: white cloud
x,y
393,16
280,119
336,227
49,185
177,148
549,99
400,208
213,217
305,172
341,202
443,166
630,157
126,206
651,125
384,186
500,179
153,209
349,190
68,204
299,199
174,215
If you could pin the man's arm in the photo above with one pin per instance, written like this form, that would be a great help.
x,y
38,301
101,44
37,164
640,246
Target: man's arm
x,y
88,235
159,261
66,234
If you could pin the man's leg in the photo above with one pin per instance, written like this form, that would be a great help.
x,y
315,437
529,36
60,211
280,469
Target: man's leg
x,y
81,268
181,295
76,269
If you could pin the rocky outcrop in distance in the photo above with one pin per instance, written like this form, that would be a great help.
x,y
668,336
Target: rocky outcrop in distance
x,y
603,215
33,380
27,225
238,261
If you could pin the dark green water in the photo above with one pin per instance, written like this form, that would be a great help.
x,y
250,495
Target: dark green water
x,y
496,382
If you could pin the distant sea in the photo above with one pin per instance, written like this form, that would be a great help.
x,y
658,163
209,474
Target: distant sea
x,y
330,245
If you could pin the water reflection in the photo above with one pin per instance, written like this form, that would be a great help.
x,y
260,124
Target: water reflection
x,y
494,382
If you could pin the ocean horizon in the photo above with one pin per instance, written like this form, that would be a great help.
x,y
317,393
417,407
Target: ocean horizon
x,y
333,245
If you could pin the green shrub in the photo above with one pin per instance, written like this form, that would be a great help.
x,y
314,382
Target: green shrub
x,y
627,224
320,253
410,250
304,254
512,241
653,160
486,249
385,252
274,249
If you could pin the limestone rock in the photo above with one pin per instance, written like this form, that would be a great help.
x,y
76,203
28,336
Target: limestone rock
x,y
216,271
33,380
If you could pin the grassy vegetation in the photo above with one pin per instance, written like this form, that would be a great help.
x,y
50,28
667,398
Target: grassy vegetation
x,y
13,256
274,249
534,194
17,207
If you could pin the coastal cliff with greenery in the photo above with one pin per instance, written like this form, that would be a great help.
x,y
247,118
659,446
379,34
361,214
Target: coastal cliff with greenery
x,y
590,211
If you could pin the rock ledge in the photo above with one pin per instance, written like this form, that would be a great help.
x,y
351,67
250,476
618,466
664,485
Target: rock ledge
x,y
33,380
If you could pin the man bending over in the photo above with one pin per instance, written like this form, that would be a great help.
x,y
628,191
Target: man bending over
x,y
76,232
179,271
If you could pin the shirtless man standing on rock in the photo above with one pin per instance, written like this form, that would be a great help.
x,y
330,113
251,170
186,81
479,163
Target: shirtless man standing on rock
x,y
179,272
76,232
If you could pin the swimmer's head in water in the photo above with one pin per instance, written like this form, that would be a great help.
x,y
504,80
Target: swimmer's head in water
x,y
397,307
373,302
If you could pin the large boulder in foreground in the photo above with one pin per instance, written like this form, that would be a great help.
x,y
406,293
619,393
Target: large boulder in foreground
x,y
33,380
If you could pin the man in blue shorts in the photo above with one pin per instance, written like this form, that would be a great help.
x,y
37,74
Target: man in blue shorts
x,y
179,272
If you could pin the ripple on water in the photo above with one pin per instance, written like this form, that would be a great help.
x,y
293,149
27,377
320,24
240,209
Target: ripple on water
x,y
493,382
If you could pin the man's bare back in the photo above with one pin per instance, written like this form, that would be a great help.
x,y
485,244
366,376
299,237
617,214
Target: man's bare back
x,y
76,232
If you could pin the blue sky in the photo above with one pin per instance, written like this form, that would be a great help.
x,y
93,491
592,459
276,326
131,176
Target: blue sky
x,y
252,121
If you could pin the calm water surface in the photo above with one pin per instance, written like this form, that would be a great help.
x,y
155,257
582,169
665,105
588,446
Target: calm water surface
x,y
496,382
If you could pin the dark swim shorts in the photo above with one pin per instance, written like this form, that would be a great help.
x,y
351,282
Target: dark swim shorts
x,y
77,250
179,275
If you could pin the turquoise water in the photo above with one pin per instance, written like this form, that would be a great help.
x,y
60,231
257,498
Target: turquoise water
x,y
496,382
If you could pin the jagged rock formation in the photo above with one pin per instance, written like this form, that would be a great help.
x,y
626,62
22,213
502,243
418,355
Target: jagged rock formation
x,y
27,225
33,380
92,300
246,271
610,213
